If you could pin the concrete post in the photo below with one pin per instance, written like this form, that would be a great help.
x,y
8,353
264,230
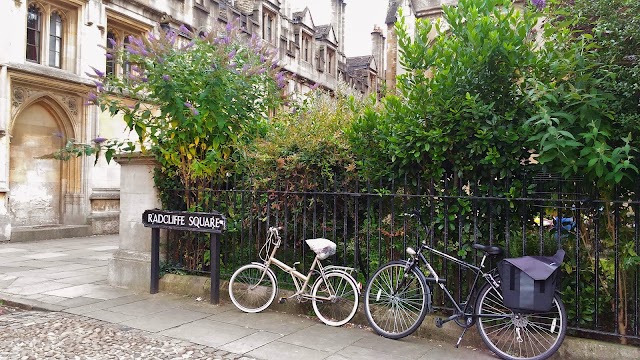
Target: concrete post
x,y
130,266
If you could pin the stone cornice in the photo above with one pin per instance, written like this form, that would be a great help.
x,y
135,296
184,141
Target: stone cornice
x,y
32,72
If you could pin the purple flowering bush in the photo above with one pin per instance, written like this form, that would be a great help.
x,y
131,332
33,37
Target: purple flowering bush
x,y
198,97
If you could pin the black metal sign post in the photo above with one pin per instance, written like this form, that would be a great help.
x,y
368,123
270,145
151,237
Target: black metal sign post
x,y
213,223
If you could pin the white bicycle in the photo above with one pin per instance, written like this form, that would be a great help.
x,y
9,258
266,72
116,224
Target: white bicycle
x,y
334,294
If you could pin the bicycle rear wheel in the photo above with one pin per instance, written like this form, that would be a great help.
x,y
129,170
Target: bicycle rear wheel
x,y
396,301
342,293
519,336
249,290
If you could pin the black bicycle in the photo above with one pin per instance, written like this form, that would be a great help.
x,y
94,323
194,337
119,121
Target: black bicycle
x,y
398,297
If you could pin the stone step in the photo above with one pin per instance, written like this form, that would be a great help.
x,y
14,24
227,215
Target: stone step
x,y
46,232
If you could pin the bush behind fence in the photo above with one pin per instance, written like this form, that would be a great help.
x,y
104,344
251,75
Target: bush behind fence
x,y
527,216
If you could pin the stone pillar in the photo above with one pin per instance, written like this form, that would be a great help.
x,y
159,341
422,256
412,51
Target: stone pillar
x,y
392,58
130,266
5,221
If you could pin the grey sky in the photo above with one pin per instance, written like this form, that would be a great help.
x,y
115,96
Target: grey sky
x,y
361,16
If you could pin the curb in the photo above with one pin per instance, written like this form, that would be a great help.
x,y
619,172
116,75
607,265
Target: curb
x,y
26,304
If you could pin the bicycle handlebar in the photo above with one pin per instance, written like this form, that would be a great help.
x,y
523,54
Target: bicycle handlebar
x,y
275,231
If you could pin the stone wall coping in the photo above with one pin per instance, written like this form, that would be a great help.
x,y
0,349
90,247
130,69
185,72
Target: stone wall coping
x,y
105,194
135,158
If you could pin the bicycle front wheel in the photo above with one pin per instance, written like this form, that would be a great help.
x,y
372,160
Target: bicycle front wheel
x,y
335,300
519,336
396,301
250,290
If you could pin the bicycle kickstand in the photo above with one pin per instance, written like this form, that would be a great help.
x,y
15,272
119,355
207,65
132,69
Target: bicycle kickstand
x,y
460,338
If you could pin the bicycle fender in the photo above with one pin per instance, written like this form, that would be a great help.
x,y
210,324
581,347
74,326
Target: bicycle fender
x,y
268,270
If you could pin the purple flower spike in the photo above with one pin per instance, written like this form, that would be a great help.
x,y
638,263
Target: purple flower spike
x,y
166,77
195,111
188,104
99,85
108,56
98,72
99,140
229,27
112,42
232,54
184,29
92,98
540,4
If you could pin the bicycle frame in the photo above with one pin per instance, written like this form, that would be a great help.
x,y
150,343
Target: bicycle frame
x,y
434,278
300,280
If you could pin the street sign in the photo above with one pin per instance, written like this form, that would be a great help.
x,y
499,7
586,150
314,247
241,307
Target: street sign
x,y
212,222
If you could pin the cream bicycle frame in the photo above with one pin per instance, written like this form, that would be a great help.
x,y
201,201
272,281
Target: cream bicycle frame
x,y
300,280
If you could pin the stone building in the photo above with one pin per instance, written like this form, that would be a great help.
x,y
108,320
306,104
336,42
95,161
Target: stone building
x,y
49,46
366,73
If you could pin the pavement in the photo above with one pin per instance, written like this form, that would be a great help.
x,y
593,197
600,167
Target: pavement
x,y
69,311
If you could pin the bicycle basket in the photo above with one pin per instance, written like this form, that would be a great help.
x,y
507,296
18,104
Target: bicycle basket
x,y
322,247
528,283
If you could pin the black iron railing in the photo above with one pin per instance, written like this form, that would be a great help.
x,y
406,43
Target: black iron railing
x,y
531,216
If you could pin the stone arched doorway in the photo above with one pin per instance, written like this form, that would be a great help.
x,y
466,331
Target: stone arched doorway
x,y
35,183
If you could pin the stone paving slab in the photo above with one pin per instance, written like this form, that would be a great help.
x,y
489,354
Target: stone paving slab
x,y
164,320
324,338
251,342
266,321
208,332
285,351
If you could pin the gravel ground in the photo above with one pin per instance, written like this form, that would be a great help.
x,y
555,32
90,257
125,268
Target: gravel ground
x,y
27,335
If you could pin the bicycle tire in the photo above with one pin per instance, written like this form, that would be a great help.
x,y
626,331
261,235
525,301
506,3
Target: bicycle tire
x,y
343,305
393,314
250,294
534,336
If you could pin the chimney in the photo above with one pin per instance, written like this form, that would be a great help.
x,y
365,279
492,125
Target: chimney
x,y
377,50
337,21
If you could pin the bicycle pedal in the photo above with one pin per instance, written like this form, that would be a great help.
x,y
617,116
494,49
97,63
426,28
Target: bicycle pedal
x,y
282,300
439,322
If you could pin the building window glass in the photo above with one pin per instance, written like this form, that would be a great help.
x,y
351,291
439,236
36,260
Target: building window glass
x,y
111,64
306,48
34,33
268,26
55,40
